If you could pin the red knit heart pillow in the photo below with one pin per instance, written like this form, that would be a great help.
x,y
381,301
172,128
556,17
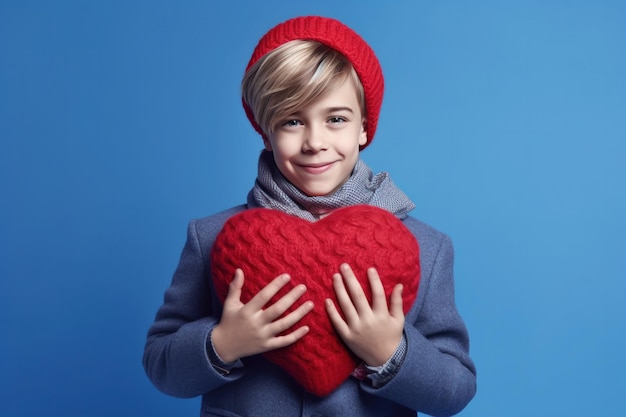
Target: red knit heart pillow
x,y
266,243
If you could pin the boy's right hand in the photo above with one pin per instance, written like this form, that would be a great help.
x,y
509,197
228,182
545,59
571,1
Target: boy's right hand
x,y
249,329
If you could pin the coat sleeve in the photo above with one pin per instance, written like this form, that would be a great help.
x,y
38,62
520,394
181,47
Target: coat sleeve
x,y
437,376
175,357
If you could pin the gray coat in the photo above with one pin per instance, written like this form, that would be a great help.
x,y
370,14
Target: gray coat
x,y
437,376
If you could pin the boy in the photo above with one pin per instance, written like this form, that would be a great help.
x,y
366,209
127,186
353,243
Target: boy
x,y
313,90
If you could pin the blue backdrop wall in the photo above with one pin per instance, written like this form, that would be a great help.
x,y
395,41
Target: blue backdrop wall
x,y
121,120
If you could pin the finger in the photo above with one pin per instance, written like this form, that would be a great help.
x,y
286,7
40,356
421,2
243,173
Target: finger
x,y
397,308
359,300
284,303
344,300
335,318
379,300
235,286
265,295
291,319
288,339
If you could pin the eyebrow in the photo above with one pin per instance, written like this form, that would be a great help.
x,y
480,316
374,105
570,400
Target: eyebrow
x,y
327,110
335,109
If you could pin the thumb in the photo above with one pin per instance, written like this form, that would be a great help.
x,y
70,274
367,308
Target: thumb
x,y
396,309
234,289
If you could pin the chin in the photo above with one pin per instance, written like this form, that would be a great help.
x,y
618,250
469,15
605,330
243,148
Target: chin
x,y
312,193
316,192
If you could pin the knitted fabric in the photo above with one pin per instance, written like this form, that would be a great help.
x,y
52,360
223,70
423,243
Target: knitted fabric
x,y
340,37
273,190
266,243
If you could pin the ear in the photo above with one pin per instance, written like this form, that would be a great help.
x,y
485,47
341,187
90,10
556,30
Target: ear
x,y
363,133
267,144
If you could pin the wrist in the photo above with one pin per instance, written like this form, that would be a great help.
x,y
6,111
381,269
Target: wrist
x,y
219,364
380,375
385,357
220,346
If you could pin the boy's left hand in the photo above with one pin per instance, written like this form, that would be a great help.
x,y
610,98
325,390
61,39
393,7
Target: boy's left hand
x,y
372,332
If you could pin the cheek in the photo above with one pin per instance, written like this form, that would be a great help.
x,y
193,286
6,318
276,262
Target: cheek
x,y
354,146
281,157
285,149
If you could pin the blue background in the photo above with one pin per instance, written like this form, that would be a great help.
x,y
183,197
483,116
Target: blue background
x,y
121,120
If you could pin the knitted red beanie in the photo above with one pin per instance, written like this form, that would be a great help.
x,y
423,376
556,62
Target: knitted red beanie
x,y
340,37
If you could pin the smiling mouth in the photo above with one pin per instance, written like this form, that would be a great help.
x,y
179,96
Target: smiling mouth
x,y
317,168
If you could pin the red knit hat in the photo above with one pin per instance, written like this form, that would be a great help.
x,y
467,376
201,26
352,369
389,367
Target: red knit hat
x,y
340,37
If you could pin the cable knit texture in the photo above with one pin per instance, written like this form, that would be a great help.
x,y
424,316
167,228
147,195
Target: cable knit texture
x,y
341,38
265,243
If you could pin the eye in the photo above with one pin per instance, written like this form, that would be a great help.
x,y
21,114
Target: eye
x,y
337,119
292,123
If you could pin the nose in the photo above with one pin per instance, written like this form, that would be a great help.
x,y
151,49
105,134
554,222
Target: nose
x,y
314,140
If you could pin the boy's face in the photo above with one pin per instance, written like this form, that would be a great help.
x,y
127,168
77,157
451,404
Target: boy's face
x,y
317,147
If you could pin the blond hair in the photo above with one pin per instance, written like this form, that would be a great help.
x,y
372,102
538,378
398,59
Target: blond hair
x,y
293,76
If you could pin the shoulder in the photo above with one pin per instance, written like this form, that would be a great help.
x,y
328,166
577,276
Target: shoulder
x,y
424,232
217,219
432,242
205,229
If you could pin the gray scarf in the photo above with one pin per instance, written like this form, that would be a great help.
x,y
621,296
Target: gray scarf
x,y
272,190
